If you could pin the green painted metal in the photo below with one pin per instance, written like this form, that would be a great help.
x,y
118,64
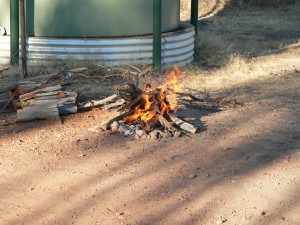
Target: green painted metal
x,y
14,31
97,18
157,27
194,14
5,15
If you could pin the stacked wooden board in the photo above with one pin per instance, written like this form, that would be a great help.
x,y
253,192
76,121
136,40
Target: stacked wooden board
x,y
43,103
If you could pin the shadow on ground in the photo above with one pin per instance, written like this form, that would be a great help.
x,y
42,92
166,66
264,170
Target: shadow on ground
x,y
252,31
176,181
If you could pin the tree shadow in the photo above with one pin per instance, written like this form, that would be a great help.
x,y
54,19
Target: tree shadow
x,y
253,31
179,181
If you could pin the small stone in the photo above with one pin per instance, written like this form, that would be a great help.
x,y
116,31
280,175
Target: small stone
x,y
136,136
128,133
177,134
93,130
145,136
118,214
122,128
154,135
114,126
163,134
263,213
192,176
221,220
81,154
140,133
169,134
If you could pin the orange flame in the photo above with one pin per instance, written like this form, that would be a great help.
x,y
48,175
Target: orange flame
x,y
173,77
166,102
143,112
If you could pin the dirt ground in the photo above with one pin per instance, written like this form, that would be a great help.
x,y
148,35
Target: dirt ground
x,y
242,168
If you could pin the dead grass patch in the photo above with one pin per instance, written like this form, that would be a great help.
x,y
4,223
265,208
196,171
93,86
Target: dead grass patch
x,y
273,3
212,51
212,7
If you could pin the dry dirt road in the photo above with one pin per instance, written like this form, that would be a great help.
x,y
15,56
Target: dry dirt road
x,y
243,168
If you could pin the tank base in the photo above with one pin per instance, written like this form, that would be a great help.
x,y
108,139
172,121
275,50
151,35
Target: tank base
x,y
177,48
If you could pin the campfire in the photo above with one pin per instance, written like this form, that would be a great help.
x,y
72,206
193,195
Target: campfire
x,y
149,111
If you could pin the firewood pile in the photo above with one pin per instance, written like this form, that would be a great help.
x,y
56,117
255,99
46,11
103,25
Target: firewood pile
x,y
149,112
46,102
41,97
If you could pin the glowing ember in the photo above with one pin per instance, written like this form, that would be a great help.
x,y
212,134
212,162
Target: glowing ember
x,y
160,100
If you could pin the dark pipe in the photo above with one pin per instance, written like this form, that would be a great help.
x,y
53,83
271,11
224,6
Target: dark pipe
x,y
157,18
23,35
194,14
14,32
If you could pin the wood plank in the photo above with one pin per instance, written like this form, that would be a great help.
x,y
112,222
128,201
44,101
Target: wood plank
x,y
50,88
13,85
22,89
32,94
34,113
59,102
191,128
67,109
78,70
3,102
58,94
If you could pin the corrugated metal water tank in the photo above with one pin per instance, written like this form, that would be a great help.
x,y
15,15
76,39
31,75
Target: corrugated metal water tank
x,y
110,31
92,18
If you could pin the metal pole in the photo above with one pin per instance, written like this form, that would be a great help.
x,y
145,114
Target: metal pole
x,y
14,32
157,18
23,35
194,14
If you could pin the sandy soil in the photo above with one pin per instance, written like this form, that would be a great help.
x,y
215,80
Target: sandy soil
x,y
242,168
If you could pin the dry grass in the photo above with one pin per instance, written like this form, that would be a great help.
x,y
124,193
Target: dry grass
x,y
230,56
211,51
206,8
273,3
209,8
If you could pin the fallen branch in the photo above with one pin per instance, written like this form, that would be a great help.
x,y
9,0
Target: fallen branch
x,y
114,104
93,104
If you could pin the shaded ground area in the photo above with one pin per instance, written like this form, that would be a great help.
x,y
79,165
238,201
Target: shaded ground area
x,y
243,168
